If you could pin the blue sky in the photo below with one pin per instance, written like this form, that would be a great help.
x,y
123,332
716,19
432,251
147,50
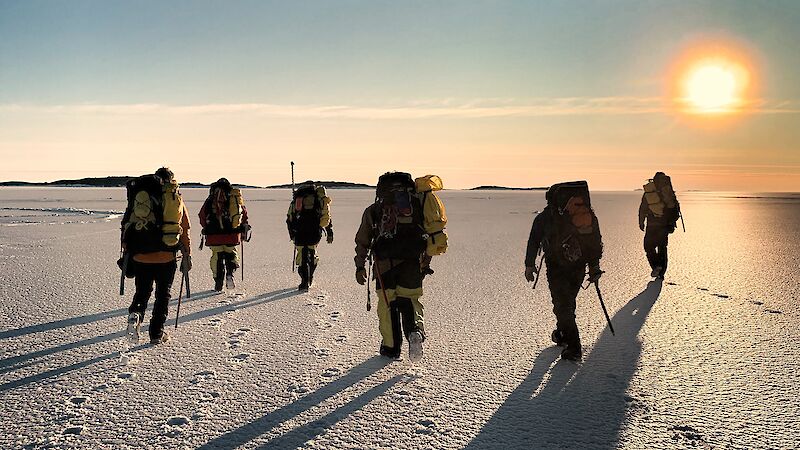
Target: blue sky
x,y
383,66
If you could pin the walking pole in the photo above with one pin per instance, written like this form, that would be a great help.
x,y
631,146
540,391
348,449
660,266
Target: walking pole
x,y
682,223
124,256
188,290
538,271
180,297
369,269
242,244
605,311
294,250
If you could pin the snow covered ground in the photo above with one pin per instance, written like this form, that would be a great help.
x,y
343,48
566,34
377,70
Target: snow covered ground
x,y
707,359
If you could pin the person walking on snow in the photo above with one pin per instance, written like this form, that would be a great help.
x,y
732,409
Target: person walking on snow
x,y
660,210
224,221
568,233
399,234
309,216
155,227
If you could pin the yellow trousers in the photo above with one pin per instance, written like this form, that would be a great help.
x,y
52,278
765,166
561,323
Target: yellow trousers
x,y
215,255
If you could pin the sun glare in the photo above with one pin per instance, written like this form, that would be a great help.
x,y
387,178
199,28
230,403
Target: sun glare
x,y
714,86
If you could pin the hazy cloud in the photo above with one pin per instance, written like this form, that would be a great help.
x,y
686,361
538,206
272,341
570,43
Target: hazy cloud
x,y
479,108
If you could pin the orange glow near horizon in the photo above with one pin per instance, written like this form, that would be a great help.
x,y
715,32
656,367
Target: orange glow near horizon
x,y
713,80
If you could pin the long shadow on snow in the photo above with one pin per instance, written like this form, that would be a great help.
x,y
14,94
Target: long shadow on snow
x,y
579,406
82,320
298,436
7,363
255,301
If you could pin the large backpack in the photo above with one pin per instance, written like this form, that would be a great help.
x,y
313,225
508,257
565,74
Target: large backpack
x,y
409,218
660,197
223,207
152,218
573,236
309,213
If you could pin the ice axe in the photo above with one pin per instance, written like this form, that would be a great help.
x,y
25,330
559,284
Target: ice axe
x,y
602,304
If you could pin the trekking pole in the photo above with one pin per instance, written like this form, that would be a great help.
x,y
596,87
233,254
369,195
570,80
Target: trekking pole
x,y
180,297
380,281
538,272
124,256
369,269
682,223
242,245
294,250
188,291
605,311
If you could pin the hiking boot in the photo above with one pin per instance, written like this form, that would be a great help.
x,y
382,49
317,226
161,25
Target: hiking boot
x,y
159,339
572,353
229,283
656,272
389,352
133,328
415,339
218,284
303,287
558,337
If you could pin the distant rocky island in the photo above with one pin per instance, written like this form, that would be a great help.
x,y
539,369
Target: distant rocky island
x,y
327,184
506,188
102,182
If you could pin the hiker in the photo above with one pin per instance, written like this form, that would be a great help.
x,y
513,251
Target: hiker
x,y
155,227
224,221
399,234
661,210
568,234
309,216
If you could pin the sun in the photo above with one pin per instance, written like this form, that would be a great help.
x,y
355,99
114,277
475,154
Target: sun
x,y
714,86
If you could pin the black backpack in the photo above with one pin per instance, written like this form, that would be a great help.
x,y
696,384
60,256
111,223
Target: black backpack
x,y
306,215
398,218
573,235
218,223
143,220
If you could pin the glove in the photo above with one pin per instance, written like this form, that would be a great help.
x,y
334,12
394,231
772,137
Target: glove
x,y
245,235
361,275
186,263
329,231
530,273
641,226
595,273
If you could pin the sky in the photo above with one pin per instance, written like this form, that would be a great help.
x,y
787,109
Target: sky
x,y
514,93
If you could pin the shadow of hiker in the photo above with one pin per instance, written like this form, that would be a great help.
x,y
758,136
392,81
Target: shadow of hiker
x,y
298,436
6,363
566,405
82,320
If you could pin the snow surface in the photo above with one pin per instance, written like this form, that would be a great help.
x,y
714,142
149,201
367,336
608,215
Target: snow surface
x,y
707,359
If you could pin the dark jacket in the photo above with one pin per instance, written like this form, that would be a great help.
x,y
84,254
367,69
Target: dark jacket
x,y
668,220
540,231
233,238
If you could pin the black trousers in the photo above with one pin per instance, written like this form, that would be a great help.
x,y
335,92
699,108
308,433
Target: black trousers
x,y
308,265
162,275
655,246
565,283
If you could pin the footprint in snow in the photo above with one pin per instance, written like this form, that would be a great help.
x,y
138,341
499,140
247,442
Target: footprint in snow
x,y
331,372
101,387
241,357
687,433
203,375
215,322
208,397
323,324
126,376
340,339
702,289
177,421
426,426
335,315
773,311
672,283
756,302
73,430
234,343
721,295
78,400
297,389
321,352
